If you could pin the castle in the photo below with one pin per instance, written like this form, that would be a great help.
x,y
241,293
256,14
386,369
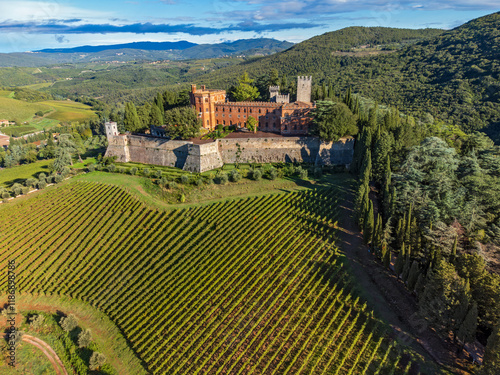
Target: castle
x,y
278,115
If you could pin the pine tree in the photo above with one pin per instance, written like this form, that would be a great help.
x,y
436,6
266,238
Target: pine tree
x,y
368,224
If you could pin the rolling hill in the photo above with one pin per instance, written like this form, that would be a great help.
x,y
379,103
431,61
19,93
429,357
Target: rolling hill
x,y
149,51
452,76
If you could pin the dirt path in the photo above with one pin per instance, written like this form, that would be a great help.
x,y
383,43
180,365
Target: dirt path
x,y
49,353
387,295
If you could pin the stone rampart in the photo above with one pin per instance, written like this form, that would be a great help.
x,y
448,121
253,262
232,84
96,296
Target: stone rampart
x,y
201,158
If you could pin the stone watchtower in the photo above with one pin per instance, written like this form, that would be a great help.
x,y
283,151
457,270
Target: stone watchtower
x,y
304,89
111,129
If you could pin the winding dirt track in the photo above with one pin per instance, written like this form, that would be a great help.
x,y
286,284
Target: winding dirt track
x,y
49,353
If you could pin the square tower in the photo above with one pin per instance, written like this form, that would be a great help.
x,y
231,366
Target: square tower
x,y
111,128
304,89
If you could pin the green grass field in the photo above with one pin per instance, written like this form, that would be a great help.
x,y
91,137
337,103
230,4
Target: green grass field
x,y
9,176
11,109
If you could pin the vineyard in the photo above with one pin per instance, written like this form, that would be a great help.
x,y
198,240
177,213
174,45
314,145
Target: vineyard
x,y
249,286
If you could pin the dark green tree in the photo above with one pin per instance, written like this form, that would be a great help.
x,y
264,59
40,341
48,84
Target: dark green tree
x,y
131,119
332,121
491,359
368,224
245,91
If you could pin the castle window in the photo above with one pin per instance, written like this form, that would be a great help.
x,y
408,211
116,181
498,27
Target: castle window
x,y
239,109
238,116
224,122
260,111
206,100
206,110
208,123
222,109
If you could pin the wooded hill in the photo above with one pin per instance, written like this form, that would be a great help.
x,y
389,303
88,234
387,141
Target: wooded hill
x,y
452,75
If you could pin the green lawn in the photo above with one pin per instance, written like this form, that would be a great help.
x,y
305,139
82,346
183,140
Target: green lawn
x,y
147,191
9,176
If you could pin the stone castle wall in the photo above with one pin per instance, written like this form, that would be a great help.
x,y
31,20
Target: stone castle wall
x,y
201,158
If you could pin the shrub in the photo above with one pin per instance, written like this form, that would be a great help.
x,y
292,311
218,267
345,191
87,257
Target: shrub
x,y
120,169
36,321
96,361
163,182
172,185
199,181
182,198
99,167
25,190
68,323
41,184
234,175
91,167
272,173
42,176
133,171
221,178
256,174
302,172
30,182
5,195
66,171
184,179
112,168
158,173
146,172
84,338
58,179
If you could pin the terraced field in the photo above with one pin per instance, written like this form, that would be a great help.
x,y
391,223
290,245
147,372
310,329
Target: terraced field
x,y
249,286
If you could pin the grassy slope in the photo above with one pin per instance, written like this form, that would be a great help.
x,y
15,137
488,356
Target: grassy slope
x,y
9,176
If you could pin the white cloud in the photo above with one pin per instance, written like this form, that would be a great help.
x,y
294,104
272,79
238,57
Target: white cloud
x,y
45,10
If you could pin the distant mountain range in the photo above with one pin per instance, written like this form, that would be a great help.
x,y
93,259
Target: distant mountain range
x,y
146,46
151,51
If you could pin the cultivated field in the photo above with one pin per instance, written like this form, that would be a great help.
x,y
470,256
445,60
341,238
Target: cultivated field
x,y
248,286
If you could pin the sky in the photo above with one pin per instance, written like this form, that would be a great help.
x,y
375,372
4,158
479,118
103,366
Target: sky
x,y
29,25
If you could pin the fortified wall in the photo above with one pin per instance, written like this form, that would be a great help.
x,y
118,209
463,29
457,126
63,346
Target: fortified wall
x,y
204,157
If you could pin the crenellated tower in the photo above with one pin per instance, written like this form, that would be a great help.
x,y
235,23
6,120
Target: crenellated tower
x,y
304,88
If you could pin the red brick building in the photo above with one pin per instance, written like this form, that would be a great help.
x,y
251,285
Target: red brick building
x,y
285,118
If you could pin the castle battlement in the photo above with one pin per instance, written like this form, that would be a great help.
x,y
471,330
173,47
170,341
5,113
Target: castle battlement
x,y
249,104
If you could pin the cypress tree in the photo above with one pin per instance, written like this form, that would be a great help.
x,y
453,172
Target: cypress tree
x,y
368,224
377,235
420,284
372,117
400,261
366,168
454,250
407,266
413,276
156,116
386,257
131,119
467,330
491,359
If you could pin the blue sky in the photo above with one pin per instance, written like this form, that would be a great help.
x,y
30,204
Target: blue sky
x,y
27,25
